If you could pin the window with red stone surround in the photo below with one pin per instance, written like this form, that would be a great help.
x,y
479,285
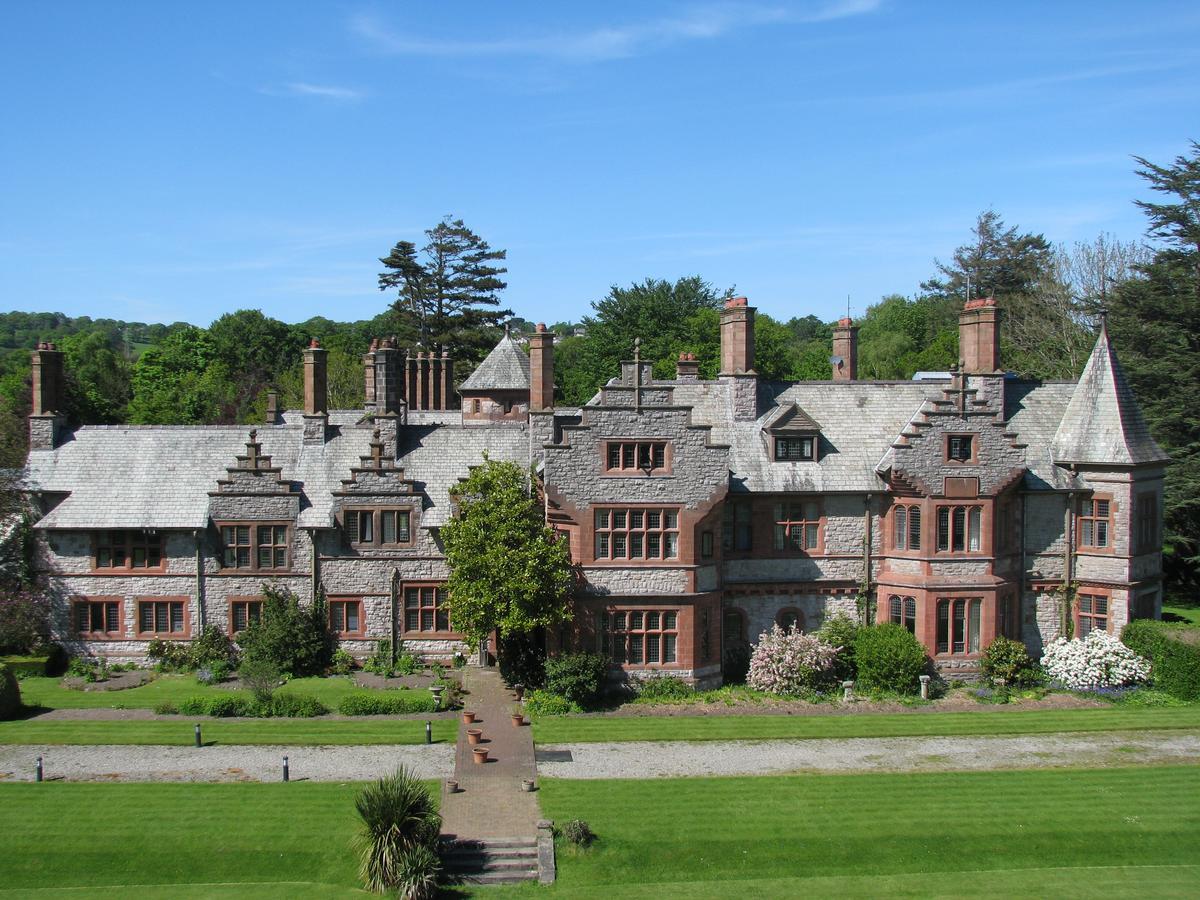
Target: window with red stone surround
x,y
737,531
958,624
125,549
379,527
906,527
962,448
1095,523
425,610
244,613
346,618
798,526
959,529
636,533
257,546
163,617
733,624
1091,613
99,617
903,611
637,458
1008,617
639,637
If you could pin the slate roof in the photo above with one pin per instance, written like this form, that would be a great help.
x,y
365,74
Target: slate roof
x,y
506,368
1102,423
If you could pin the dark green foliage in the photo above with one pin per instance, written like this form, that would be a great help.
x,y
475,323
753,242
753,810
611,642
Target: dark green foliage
x,y
417,873
341,663
289,706
889,658
220,707
384,704
22,666
10,694
1174,654
297,706
212,647
261,676
294,638
166,708
509,572
841,631
380,662
523,659
24,620
578,832
169,656
1008,659
577,677
543,703
213,673
397,814
665,688
736,663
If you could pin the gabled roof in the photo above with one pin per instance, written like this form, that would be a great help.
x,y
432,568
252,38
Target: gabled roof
x,y
1102,424
792,418
506,368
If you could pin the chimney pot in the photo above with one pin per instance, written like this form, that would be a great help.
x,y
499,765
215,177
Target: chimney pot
x,y
845,350
737,338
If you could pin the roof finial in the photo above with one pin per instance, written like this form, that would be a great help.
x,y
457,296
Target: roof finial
x,y
506,330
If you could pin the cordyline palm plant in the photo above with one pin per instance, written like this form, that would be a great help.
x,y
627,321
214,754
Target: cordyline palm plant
x,y
399,835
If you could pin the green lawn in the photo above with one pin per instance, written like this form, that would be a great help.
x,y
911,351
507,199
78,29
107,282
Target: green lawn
x,y
49,692
1068,833
296,732
1190,613
1035,833
988,720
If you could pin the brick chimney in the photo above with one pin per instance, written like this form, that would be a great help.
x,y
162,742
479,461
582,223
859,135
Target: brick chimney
x,y
687,368
368,362
737,338
45,416
541,369
845,350
272,416
979,336
316,395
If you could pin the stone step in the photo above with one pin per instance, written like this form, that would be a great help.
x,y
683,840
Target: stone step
x,y
495,865
501,877
487,846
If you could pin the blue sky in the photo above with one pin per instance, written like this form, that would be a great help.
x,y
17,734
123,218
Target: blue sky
x,y
163,161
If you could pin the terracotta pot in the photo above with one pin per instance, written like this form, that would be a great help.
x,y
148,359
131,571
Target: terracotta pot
x,y
527,785
518,720
451,786
468,717
473,736
481,755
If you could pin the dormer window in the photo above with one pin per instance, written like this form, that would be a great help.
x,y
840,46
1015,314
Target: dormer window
x,y
960,448
795,449
379,527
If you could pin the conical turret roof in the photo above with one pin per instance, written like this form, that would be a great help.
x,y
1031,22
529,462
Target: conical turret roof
x,y
506,368
1103,424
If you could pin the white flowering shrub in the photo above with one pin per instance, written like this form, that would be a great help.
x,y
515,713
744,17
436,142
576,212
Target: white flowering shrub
x,y
788,662
1098,661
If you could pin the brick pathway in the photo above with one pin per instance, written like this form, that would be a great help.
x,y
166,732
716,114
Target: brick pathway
x,y
490,802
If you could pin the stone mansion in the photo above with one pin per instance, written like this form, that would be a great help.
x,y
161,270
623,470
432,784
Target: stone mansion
x,y
700,511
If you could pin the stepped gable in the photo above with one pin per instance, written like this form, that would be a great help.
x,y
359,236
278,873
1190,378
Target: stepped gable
x,y
506,368
376,473
254,489
918,461
1102,424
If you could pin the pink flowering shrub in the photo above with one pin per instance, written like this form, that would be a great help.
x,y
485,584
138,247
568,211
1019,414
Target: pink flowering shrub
x,y
1098,661
789,662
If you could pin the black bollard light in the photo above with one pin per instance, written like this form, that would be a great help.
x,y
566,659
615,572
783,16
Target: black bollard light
x,y
428,732
38,776
199,742
285,769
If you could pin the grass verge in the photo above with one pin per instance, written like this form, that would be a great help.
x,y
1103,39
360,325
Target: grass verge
x,y
573,729
1035,833
294,732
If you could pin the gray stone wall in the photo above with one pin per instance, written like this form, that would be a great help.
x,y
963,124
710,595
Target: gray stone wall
x,y
620,580
762,610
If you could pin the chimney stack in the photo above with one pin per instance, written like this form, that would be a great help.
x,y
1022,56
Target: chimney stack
x,y
979,336
45,419
845,350
737,338
541,369
272,417
687,368
316,402
389,389
368,362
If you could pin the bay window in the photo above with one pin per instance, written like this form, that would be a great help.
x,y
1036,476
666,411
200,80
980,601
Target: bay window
x,y
958,626
959,527
636,533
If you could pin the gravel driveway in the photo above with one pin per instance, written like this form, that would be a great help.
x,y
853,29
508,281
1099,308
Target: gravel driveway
x,y
908,754
241,763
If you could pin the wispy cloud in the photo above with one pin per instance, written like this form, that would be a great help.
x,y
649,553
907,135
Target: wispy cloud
x,y
608,42
323,91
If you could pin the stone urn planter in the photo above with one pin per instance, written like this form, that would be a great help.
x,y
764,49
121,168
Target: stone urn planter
x,y
474,735
519,691
528,785
480,754
468,717
451,786
518,720
436,690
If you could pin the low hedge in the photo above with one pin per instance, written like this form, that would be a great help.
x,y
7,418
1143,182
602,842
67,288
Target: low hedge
x,y
384,704
288,706
1174,660
25,665
10,694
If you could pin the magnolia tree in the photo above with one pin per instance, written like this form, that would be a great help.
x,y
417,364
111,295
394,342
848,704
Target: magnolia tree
x,y
508,570
1098,661
788,662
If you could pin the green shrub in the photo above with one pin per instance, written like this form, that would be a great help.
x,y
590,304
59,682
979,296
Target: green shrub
x,y
841,631
224,707
1008,659
384,703
735,664
578,832
522,660
579,677
213,673
407,663
296,639
417,873
193,706
23,666
169,656
261,676
398,815
10,694
544,703
1175,663
664,689
213,648
342,663
380,662
166,708
297,706
81,667
889,658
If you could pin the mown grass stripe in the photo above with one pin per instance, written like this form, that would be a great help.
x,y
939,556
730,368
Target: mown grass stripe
x,y
179,732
